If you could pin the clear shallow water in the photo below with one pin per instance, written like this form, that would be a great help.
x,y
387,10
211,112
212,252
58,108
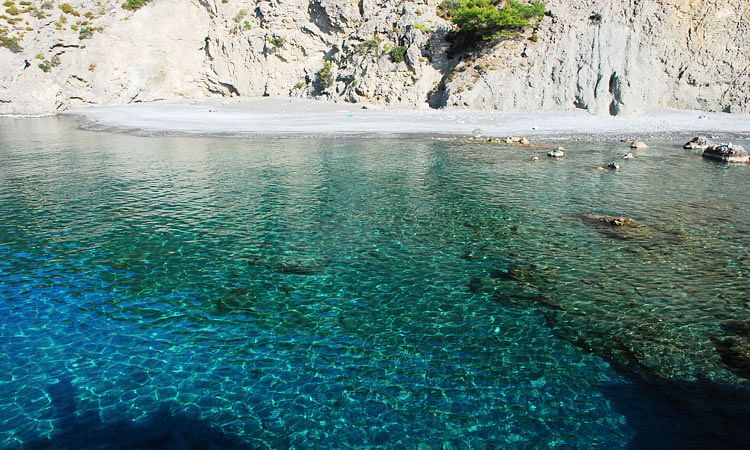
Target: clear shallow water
x,y
364,293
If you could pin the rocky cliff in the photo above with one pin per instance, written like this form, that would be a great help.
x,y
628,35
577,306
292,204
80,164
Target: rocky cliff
x,y
605,56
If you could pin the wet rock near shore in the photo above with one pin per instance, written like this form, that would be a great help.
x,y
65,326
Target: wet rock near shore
x,y
697,143
727,153
478,138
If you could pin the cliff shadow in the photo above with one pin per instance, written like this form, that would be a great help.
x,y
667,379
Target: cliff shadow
x,y
160,430
683,415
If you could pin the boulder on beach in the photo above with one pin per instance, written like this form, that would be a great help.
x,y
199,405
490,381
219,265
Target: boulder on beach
x,y
697,143
638,144
727,153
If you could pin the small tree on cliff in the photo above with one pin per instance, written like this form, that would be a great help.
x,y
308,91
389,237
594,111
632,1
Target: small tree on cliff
x,y
484,20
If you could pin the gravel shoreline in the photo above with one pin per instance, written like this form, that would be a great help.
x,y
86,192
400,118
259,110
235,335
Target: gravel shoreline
x,y
298,118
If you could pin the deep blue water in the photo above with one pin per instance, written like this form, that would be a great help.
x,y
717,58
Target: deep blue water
x,y
169,292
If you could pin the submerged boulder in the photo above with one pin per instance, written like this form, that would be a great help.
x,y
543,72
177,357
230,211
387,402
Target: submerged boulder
x,y
734,349
697,143
727,153
621,227
616,221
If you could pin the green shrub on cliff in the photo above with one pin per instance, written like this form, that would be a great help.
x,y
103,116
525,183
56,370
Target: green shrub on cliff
x,y
132,5
11,43
325,75
397,53
484,20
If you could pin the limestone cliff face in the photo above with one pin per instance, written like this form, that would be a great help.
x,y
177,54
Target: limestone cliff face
x,y
606,56
618,56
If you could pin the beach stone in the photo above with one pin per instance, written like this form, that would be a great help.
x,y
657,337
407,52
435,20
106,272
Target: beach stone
x,y
557,153
727,153
628,156
697,143
638,144
524,141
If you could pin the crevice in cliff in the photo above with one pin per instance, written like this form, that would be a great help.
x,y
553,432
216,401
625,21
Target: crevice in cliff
x,y
56,46
615,88
81,99
319,16
221,88
206,44
230,88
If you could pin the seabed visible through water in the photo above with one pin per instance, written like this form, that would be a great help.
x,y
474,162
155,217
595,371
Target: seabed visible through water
x,y
175,292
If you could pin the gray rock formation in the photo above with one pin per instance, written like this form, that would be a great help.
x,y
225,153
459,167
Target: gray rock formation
x,y
606,56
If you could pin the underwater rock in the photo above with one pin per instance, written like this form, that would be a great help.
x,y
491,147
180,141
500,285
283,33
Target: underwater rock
x,y
292,265
727,153
621,227
734,349
617,221
638,144
735,354
697,143
238,299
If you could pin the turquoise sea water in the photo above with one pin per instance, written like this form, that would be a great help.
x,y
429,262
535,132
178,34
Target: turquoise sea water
x,y
174,292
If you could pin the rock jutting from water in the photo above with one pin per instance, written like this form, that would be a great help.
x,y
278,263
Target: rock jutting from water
x,y
513,140
559,152
727,153
697,143
638,144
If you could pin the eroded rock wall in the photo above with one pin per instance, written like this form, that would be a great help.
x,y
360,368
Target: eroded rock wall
x,y
606,56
